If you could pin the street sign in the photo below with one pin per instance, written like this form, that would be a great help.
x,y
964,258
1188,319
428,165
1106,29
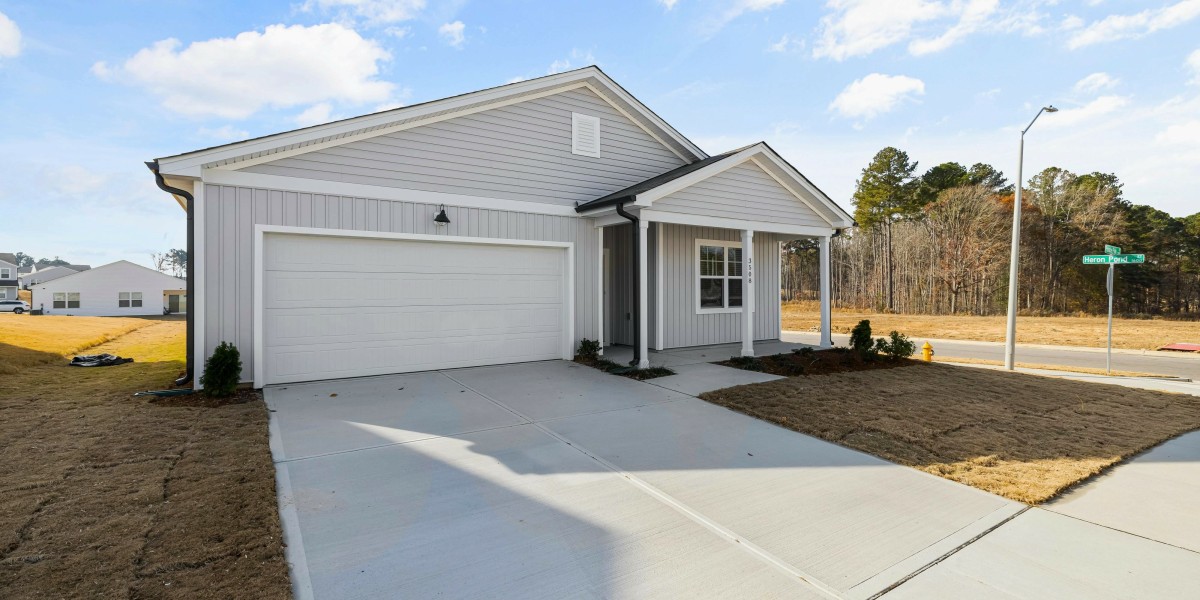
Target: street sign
x,y
1114,259
1112,249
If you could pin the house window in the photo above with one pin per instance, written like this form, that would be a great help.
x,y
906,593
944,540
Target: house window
x,y
66,299
128,299
5,273
718,276
3,294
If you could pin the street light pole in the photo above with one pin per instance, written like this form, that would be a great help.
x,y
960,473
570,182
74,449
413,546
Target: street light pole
x,y
1010,337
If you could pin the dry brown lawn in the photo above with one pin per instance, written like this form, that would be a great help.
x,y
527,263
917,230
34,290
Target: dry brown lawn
x,y
103,495
25,295
1023,437
26,340
1133,334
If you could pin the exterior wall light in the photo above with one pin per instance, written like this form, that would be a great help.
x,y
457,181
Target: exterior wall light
x,y
441,218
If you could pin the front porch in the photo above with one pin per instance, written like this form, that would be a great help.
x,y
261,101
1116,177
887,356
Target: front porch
x,y
678,293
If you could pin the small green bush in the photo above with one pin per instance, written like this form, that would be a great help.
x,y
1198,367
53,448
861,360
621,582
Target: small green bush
x,y
860,339
748,363
588,349
899,346
222,371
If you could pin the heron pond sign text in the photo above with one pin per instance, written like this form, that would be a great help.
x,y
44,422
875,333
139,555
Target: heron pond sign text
x,y
1114,259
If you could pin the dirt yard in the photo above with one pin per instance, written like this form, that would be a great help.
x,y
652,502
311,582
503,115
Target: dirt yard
x,y
1133,334
104,495
1021,436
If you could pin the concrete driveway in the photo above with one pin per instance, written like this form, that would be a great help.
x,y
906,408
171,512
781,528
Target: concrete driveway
x,y
552,480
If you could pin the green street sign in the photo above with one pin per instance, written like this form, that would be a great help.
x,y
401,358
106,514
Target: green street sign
x,y
1114,259
1112,249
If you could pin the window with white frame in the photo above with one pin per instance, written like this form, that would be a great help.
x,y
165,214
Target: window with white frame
x,y
66,299
718,276
129,299
3,294
5,273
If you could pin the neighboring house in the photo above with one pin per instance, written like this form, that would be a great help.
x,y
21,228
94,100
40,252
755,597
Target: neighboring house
x,y
499,226
9,282
116,289
45,274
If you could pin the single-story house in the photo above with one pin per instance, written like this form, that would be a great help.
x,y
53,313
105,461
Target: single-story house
x,y
8,276
119,289
44,274
497,226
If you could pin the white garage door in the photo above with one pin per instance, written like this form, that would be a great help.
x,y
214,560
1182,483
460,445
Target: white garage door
x,y
347,307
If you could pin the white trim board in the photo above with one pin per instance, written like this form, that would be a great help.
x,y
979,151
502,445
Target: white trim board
x,y
196,305
724,223
261,231
379,192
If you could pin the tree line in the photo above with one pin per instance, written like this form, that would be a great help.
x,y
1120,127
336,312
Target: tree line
x,y
938,242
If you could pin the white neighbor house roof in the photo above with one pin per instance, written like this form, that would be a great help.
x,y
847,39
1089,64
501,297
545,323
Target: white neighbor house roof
x,y
169,282
281,145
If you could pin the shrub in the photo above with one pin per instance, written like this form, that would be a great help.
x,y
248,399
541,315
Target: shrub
x,y
588,349
860,339
748,363
899,346
222,371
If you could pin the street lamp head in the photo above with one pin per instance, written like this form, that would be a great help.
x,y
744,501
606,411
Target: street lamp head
x,y
1050,109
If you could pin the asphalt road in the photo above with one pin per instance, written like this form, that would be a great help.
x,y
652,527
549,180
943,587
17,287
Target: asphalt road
x,y
1159,363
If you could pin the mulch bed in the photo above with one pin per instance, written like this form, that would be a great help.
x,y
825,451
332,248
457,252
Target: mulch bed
x,y
609,366
815,362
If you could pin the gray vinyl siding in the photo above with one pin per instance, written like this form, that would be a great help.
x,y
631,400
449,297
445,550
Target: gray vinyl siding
x,y
230,214
742,192
682,326
516,152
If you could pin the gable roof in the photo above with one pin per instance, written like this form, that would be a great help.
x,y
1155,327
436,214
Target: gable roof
x,y
274,146
102,268
9,258
645,193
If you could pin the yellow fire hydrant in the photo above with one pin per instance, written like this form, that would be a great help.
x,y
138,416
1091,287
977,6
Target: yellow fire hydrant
x,y
927,352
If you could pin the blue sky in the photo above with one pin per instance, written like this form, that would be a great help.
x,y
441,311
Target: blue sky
x,y
89,90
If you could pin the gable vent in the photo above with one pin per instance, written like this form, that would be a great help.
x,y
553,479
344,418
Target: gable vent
x,y
585,135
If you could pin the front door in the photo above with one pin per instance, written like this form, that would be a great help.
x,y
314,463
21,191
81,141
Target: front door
x,y
173,303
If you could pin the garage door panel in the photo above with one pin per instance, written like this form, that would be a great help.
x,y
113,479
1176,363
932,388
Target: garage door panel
x,y
294,253
316,325
345,307
404,289
359,359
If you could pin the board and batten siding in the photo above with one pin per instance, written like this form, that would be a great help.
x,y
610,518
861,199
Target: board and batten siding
x,y
230,214
516,152
742,192
682,326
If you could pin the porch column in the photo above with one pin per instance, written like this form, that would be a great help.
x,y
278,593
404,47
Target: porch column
x,y
826,317
600,283
643,296
747,292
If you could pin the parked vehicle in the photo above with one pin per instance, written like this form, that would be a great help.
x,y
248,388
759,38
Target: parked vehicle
x,y
14,306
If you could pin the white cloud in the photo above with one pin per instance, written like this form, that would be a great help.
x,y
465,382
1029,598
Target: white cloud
x,y
10,37
1096,82
876,94
1193,63
373,11
1184,134
733,10
281,67
860,27
315,115
225,133
1069,117
668,4
785,44
73,180
575,60
453,33
1119,27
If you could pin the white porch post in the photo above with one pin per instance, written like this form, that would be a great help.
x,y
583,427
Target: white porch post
x,y
747,292
600,288
826,316
643,296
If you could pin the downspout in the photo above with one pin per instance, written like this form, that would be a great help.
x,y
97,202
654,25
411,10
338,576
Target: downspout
x,y
191,260
637,278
